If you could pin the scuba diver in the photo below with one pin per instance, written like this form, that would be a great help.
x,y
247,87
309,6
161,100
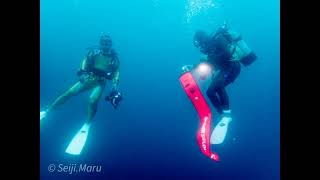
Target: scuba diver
x,y
99,65
224,52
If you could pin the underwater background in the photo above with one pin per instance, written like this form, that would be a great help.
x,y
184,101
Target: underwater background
x,y
152,134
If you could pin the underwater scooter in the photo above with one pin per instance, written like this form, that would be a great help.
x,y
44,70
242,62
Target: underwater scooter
x,y
194,94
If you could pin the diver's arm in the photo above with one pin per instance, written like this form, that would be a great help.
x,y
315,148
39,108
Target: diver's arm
x,y
83,67
116,78
115,95
84,64
88,60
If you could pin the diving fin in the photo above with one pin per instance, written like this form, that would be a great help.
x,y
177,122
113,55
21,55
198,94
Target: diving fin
x,y
220,131
79,140
43,114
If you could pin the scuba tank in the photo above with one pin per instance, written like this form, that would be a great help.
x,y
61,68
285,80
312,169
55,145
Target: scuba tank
x,y
239,49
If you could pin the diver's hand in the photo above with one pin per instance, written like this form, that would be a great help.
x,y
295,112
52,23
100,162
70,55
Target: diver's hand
x,y
115,97
83,75
83,78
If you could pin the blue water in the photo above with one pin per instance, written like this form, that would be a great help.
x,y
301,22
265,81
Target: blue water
x,y
152,134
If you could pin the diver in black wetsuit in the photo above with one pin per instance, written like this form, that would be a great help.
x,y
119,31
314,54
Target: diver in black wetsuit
x,y
225,52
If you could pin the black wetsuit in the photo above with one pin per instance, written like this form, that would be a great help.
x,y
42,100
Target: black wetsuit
x,y
220,58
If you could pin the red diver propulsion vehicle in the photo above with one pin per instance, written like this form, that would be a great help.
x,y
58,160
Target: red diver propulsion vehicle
x,y
194,93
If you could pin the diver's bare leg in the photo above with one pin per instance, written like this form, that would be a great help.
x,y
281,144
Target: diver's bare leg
x,y
93,102
74,90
